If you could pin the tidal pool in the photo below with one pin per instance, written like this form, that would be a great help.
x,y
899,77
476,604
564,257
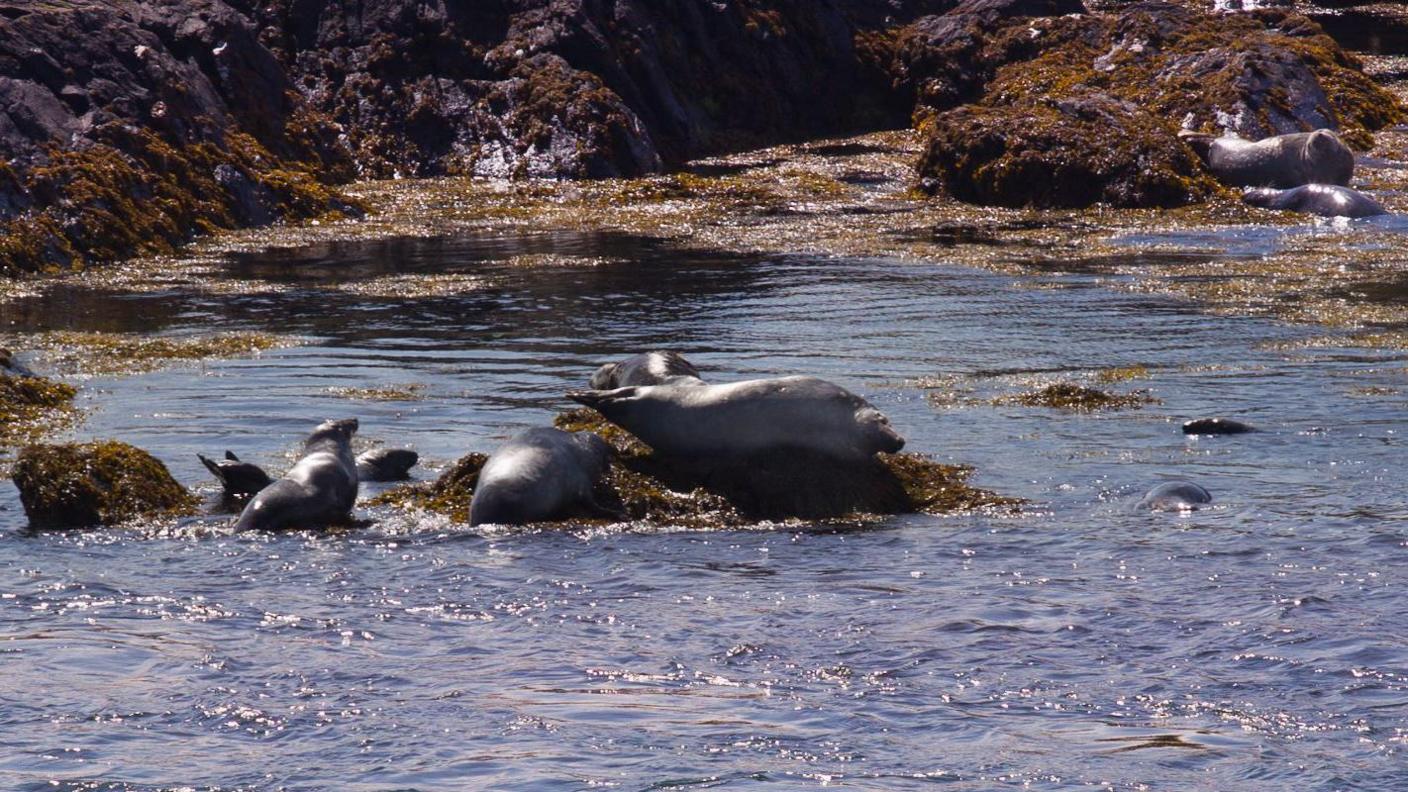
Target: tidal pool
x,y
1078,643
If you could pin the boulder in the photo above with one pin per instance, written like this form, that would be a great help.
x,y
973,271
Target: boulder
x,y
101,483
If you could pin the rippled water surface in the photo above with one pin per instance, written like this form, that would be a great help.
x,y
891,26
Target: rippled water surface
x,y
1260,644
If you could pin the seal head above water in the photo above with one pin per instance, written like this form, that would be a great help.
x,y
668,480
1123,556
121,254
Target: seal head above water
x,y
647,368
386,464
319,490
1175,496
238,479
540,475
745,418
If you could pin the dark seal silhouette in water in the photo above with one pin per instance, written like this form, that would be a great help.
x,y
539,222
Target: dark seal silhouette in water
x,y
746,418
540,475
1283,161
238,480
319,490
647,368
1175,496
1215,426
386,464
1325,200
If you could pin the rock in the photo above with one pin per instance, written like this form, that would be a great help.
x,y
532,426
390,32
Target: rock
x,y
102,483
1095,100
1071,152
129,127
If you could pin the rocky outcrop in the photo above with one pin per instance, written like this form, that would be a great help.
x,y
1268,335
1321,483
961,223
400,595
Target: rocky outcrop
x,y
1078,109
103,483
129,127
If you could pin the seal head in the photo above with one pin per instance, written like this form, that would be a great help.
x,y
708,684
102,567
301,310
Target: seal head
x,y
648,368
1175,496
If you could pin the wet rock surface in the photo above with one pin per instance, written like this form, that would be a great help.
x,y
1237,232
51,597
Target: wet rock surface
x,y
101,483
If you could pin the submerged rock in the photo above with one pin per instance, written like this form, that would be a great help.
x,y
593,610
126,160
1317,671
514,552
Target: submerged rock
x,y
102,483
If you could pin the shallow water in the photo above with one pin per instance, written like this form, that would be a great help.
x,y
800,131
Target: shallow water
x,y
1258,644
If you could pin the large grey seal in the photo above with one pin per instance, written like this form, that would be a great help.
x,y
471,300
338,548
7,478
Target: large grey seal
x,y
1326,200
647,368
318,490
386,464
749,417
1283,161
238,479
538,475
1175,496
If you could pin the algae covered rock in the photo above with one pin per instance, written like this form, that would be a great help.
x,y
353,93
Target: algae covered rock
x,y
29,404
101,483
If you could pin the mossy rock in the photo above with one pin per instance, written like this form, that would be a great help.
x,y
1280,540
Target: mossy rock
x,y
27,404
101,483
1070,396
450,494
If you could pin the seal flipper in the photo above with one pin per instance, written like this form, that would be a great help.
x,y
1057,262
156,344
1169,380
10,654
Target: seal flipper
x,y
596,399
213,466
230,455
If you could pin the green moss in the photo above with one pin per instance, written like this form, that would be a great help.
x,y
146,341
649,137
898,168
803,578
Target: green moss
x,y
410,392
120,353
30,406
1111,376
102,483
1070,396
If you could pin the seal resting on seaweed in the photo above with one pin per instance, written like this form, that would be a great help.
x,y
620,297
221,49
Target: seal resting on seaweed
x,y
1175,496
539,475
742,419
1282,161
647,368
318,490
238,479
1326,200
386,464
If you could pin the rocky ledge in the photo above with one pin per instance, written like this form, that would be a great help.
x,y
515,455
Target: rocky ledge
x,y
130,127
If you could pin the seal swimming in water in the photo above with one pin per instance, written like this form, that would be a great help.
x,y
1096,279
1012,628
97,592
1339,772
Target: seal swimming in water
x,y
539,475
1283,161
647,368
238,479
1215,426
386,464
750,417
1175,496
318,490
1326,200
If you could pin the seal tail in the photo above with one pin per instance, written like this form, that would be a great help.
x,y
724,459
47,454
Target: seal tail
x,y
592,399
213,467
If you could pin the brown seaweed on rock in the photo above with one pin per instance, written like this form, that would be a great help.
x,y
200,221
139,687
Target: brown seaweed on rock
x,y
101,483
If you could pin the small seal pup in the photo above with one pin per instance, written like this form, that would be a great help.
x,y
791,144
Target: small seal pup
x,y
750,417
238,479
1283,161
539,475
1326,200
647,368
1175,496
318,490
386,464
1215,426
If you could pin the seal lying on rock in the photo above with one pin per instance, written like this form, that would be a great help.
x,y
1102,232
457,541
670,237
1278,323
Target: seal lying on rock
x,y
745,418
318,490
647,368
1283,161
239,479
1175,496
1326,200
386,464
539,475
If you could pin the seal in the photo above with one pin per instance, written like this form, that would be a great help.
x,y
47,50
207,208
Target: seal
x,y
318,490
647,368
1283,161
1175,496
1215,426
9,367
745,418
1326,200
238,479
540,475
386,464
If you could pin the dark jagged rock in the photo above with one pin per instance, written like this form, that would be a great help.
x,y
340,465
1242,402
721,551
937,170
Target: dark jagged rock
x,y
128,127
1095,100
103,483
